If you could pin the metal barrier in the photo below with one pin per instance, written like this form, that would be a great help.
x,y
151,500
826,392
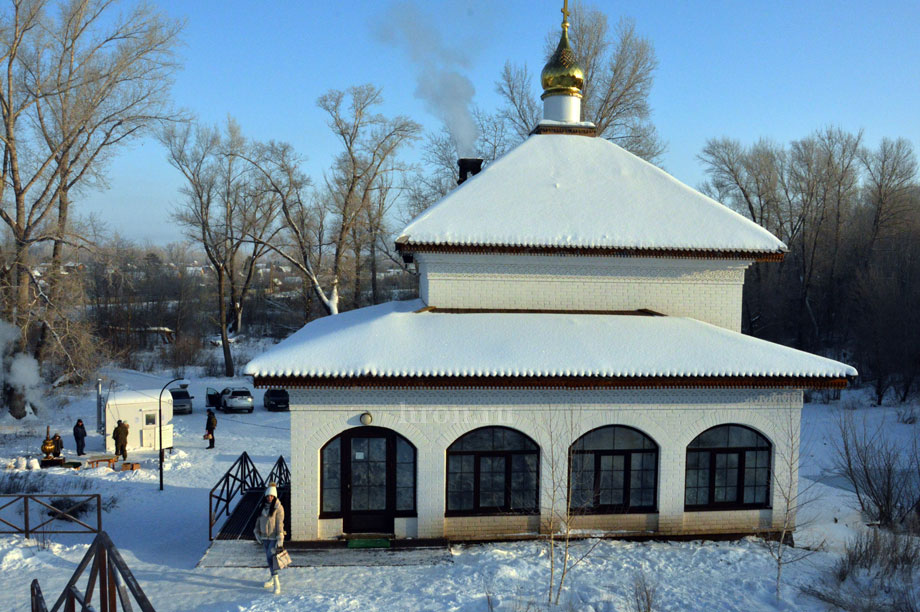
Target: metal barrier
x,y
242,476
43,503
280,474
117,584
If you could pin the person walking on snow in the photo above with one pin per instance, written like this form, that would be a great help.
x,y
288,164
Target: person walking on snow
x,y
210,426
269,532
79,437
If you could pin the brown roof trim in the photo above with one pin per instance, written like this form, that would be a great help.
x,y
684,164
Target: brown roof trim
x,y
574,130
641,312
554,382
406,247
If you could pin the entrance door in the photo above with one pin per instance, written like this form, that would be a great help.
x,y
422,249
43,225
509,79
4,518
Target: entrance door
x,y
368,507
367,478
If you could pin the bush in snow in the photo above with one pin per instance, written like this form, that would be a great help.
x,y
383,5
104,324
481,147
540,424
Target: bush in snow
x,y
876,572
884,474
643,592
20,377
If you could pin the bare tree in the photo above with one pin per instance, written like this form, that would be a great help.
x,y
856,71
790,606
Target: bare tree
x,y
560,511
892,174
791,499
370,144
78,81
111,89
224,212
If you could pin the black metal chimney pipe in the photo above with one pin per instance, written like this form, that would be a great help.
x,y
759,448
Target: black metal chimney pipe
x,y
469,166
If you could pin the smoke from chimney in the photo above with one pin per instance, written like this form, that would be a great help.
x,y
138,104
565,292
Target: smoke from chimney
x,y
447,93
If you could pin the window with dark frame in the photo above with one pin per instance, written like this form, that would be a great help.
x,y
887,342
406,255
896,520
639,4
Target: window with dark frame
x,y
728,467
613,470
493,470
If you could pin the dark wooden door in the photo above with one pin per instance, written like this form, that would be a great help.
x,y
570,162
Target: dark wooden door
x,y
369,504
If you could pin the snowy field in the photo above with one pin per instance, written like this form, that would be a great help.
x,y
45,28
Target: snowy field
x,y
163,535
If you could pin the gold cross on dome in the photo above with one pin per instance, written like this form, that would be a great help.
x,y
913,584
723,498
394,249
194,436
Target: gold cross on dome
x,y
565,12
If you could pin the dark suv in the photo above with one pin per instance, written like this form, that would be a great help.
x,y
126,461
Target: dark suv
x,y
276,399
182,401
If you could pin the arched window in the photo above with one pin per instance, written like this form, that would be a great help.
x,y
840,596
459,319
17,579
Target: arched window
x,y
614,469
728,467
492,470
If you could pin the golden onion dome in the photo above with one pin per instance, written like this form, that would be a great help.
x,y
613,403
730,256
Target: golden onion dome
x,y
562,75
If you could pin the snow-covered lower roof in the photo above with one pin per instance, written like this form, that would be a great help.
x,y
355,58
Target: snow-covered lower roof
x,y
140,396
394,340
568,191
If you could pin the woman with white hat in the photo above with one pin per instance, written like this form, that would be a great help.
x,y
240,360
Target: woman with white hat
x,y
269,532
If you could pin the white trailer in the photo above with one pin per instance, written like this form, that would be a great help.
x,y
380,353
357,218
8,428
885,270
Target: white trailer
x,y
140,410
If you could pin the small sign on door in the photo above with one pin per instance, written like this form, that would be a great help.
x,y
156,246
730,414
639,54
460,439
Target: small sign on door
x,y
359,455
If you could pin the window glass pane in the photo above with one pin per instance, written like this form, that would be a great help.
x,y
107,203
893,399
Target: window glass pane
x,y
405,498
714,438
599,439
697,487
405,474
460,482
377,449
611,480
491,482
630,439
331,476
523,481
492,438
582,476
404,451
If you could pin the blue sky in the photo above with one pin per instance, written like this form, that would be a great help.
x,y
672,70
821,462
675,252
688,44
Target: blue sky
x,y
740,69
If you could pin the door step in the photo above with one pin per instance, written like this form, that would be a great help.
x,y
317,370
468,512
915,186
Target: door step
x,y
368,540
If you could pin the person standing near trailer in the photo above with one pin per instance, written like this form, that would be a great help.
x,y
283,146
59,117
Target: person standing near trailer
x,y
79,437
121,440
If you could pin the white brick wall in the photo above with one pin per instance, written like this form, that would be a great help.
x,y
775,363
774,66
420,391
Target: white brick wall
x,y
708,290
433,418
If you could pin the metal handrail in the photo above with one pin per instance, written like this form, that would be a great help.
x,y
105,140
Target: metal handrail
x,y
116,583
280,474
242,476
48,526
38,600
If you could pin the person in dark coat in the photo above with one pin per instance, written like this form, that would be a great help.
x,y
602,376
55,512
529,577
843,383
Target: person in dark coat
x,y
121,440
79,437
210,426
58,445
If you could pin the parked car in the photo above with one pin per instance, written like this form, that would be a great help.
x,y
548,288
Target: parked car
x,y
276,399
182,401
231,398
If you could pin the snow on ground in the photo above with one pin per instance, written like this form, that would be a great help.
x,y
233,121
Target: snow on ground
x,y
163,535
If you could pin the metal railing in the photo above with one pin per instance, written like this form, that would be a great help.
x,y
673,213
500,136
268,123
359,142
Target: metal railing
x,y
116,584
242,476
280,474
42,505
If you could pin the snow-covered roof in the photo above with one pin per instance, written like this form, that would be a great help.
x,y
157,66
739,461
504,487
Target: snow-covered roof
x,y
568,191
140,396
393,340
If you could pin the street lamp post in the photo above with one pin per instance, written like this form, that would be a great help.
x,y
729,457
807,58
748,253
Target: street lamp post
x,y
160,422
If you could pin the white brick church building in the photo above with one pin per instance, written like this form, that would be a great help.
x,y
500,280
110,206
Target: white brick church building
x,y
579,329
